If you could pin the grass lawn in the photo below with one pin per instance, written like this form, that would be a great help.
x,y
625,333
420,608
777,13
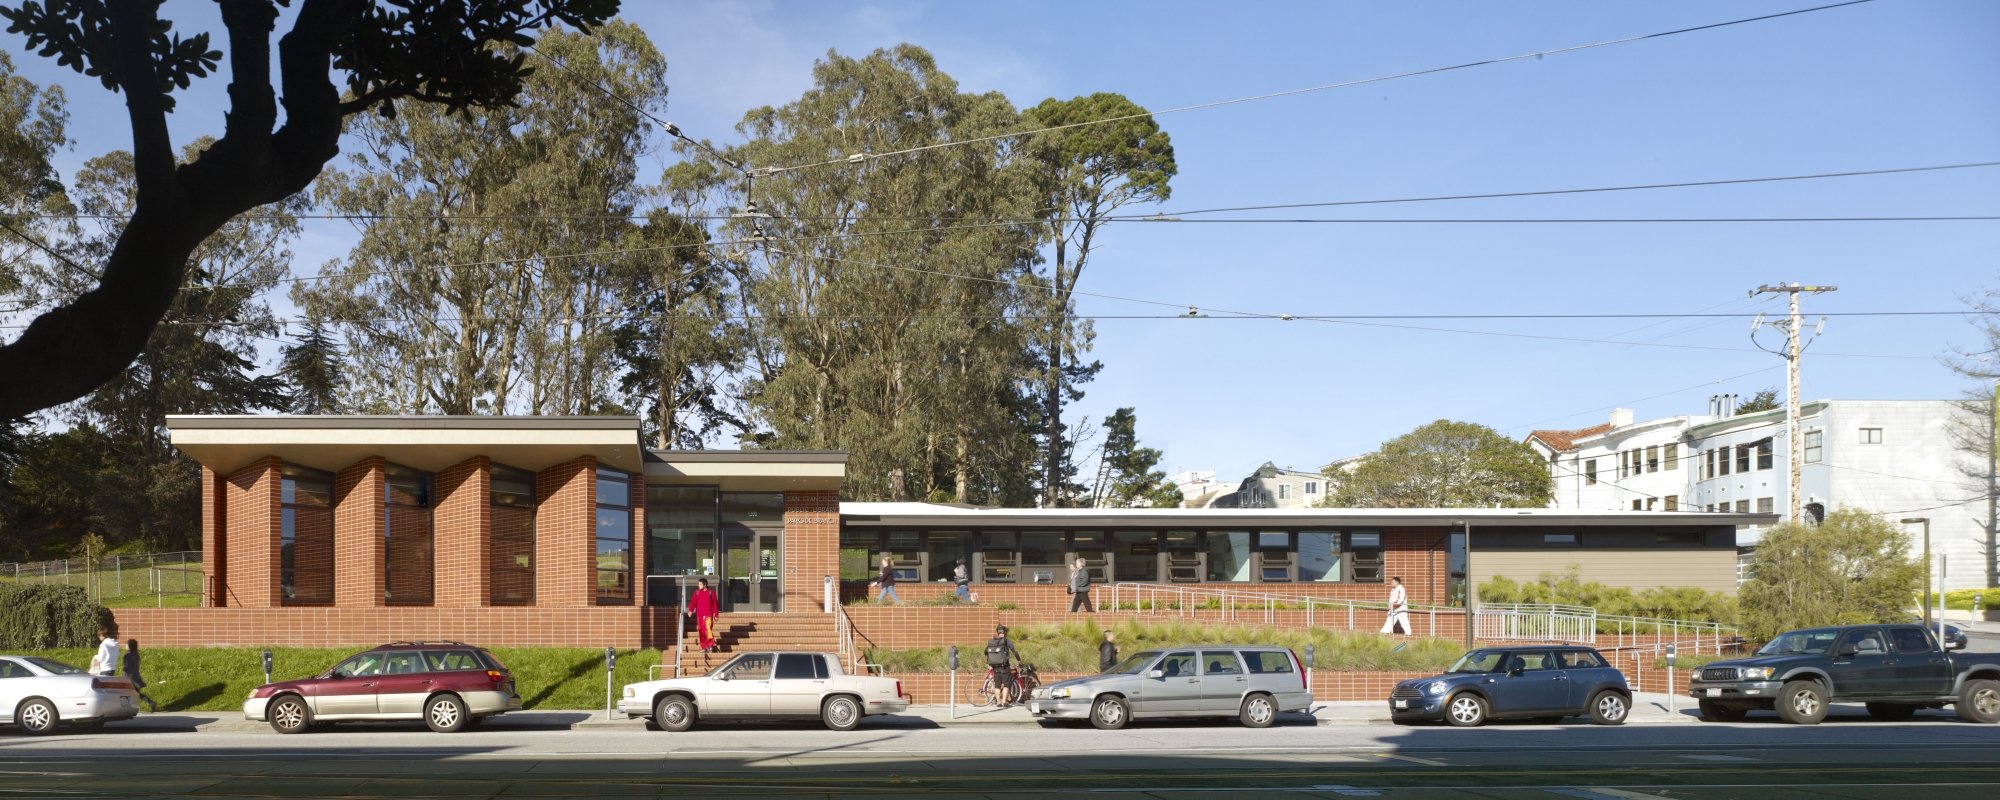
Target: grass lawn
x,y
1072,646
218,678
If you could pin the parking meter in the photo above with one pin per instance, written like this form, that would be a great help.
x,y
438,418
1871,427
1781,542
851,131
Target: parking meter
x,y
1671,652
267,666
610,663
1310,660
951,661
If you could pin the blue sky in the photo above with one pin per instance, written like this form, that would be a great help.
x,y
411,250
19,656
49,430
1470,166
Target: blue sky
x,y
1887,84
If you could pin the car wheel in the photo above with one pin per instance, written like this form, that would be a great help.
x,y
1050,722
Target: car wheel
x,y
37,717
1465,710
1712,711
674,714
288,714
1980,701
1802,703
1109,713
445,713
1891,712
840,713
1610,708
1258,711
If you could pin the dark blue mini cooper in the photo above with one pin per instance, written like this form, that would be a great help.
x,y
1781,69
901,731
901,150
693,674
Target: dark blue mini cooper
x,y
1544,683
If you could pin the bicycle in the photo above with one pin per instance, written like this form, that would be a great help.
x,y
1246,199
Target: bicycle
x,y
1025,681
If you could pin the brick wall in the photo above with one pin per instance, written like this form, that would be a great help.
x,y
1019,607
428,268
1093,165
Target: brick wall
x,y
358,518
214,566
566,534
251,535
812,547
914,627
623,627
1051,597
463,521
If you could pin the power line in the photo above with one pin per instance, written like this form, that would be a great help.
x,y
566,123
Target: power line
x,y
865,156
1158,217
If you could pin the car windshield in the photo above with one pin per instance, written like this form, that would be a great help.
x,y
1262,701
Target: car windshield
x,y
1133,664
1812,642
1479,661
54,667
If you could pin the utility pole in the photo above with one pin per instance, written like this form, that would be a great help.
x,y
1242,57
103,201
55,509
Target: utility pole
x,y
1993,493
1795,450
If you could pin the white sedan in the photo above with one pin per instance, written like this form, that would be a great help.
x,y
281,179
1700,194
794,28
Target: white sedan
x,y
38,694
766,686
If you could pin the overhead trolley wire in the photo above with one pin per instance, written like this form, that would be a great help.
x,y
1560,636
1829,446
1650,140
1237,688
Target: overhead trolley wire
x,y
865,156
1166,216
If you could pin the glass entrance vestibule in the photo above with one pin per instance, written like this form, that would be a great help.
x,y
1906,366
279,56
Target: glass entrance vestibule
x,y
1115,556
684,525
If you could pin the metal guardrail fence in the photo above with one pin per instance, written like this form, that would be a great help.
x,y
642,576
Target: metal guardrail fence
x,y
122,576
1491,621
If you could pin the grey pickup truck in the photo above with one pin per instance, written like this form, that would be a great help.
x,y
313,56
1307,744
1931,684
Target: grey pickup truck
x,y
1893,669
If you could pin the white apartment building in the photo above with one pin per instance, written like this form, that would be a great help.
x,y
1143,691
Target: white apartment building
x,y
1269,487
1890,457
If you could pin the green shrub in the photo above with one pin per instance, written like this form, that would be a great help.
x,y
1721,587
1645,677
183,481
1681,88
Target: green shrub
x,y
1961,600
36,616
1072,646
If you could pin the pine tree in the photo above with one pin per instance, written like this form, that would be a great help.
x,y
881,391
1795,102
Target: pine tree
x,y
316,368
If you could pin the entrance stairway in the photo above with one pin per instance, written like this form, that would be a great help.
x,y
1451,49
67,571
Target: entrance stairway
x,y
746,632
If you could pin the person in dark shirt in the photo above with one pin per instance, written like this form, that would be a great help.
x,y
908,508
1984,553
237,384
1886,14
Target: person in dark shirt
x,y
887,580
1107,652
1000,656
132,671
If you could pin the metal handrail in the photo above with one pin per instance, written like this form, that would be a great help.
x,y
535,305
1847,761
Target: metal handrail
x,y
1230,601
848,652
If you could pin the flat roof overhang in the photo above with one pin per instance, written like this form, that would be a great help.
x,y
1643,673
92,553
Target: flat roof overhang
x,y
932,515
748,470
226,443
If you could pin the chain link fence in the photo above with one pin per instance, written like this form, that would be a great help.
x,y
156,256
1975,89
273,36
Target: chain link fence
x,y
146,579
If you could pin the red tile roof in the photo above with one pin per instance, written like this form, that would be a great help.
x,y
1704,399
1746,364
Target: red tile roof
x,y
1566,440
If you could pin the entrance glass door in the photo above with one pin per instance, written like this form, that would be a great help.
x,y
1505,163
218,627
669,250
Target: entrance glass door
x,y
754,562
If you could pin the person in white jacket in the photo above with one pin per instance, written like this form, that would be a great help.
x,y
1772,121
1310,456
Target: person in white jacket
x,y
105,663
1399,609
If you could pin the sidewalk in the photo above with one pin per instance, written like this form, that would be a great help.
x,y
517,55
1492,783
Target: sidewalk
x,y
1649,709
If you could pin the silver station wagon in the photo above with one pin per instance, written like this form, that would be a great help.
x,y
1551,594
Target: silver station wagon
x,y
1252,684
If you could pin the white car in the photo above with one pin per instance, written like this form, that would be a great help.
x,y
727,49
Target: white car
x,y
766,686
38,694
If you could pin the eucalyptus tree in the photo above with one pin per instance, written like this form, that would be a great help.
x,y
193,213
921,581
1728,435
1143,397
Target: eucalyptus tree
x,y
677,340
488,277
390,51
33,126
1114,156
879,324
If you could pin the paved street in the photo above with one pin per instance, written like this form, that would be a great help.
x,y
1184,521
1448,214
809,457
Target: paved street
x,y
1848,756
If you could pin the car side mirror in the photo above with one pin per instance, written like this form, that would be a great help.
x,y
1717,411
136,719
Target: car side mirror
x,y
1156,674
338,675
1515,672
722,676
1848,650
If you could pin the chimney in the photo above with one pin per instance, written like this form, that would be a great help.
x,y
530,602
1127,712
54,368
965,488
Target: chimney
x,y
1621,417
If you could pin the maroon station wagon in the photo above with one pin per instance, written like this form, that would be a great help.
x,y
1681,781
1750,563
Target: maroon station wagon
x,y
448,685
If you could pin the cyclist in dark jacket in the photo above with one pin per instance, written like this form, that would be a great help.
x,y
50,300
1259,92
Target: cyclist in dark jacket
x,y
1000,655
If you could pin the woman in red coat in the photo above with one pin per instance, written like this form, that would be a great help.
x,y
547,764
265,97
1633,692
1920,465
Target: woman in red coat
x,y
705,610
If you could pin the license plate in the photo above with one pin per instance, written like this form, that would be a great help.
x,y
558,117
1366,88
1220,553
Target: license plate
x,y
1402,704
126,701
1715,693
1034,708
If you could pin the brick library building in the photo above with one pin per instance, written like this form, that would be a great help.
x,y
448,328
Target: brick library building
x,y
568,531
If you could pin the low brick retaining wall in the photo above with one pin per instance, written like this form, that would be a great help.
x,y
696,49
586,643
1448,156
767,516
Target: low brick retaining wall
x,y
516,626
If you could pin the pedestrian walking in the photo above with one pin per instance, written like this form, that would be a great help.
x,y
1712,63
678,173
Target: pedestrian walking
x,y
1107,652
132,672
887,581
705,609
105,663
1079,587
963,577
1399,609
